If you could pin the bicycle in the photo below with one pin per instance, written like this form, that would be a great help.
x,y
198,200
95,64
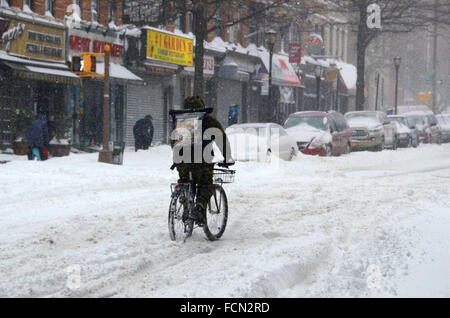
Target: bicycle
x,y
181,224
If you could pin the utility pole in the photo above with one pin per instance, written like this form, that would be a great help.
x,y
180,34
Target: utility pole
x,y
435,47
377,80
105,155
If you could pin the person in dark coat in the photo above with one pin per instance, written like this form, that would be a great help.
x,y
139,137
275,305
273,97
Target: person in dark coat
x,y
143,133
37,136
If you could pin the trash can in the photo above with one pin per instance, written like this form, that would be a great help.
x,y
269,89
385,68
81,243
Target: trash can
x,y
118,150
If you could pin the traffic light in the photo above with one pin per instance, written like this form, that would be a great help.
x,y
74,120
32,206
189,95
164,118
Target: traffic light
x,y
76,65
89,64
85,65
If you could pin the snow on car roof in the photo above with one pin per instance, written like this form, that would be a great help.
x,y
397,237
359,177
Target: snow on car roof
x,y
418,113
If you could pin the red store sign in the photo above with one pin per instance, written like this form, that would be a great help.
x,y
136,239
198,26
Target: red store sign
x,y
81,44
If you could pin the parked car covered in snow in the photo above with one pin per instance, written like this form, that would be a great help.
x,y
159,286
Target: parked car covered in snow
x,y
320,133
427,124
406,137
257,142
444,124
372,130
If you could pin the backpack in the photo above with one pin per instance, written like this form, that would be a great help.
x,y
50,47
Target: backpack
x,y
189,127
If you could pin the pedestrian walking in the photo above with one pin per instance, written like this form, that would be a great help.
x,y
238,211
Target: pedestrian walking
x,y
143,133
37,138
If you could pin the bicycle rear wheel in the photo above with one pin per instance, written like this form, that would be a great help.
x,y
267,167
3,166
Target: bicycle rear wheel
x,y
216,214
180,226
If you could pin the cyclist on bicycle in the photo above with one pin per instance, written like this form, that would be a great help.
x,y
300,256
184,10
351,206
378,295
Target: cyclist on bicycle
x,y
202,173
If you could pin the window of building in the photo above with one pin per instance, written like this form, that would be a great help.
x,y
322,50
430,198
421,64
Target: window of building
x,y
79,7
331,41
28,5
230,20
112,11
50,7
239,27
338,33
94,10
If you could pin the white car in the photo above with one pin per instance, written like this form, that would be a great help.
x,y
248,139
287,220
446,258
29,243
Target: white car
x,y
257,142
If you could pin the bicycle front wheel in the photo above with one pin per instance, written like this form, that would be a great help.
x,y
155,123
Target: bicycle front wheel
x,y
216,214
180,226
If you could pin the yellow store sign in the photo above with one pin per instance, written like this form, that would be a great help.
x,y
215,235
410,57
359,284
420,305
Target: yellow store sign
x,y
170,48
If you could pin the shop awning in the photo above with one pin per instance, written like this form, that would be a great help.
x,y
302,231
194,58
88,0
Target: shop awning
x,y
119,72
348,75
283,73
40,73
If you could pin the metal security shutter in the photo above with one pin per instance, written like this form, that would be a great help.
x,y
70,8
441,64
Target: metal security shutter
x,y
229,93
142,101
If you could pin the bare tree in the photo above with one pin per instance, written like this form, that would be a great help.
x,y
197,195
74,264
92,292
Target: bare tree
x,y
397,16
204,14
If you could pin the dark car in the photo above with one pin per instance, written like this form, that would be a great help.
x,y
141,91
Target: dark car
x,y
406,137
444,124
320,133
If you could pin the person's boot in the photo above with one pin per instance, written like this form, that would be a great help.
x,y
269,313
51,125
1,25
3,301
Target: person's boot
x,y
199,215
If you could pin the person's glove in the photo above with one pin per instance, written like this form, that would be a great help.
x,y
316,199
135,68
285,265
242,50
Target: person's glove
x,y
226,164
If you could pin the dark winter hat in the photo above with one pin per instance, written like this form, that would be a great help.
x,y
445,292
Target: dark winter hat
x,y
194,102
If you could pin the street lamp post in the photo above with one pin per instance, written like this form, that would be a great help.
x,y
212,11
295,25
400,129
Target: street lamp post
x,y
271,37
318,80
397,63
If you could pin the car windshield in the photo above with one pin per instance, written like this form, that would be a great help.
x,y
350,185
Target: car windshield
x,y
361,116
418,120
443,120
316,122
398,120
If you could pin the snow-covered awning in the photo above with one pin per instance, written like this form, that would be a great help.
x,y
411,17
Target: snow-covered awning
x,y
348,74
118,71
41,73
283,73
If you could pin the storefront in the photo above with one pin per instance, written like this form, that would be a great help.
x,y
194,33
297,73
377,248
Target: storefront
x,y
158,57
34,77
88,99
234,89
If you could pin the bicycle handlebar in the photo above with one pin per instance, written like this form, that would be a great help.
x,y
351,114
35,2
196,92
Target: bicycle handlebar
x,y
174,112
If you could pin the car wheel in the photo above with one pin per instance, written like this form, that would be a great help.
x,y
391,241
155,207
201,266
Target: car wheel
x,y
395,144
292,154
348,149
269,156
381,147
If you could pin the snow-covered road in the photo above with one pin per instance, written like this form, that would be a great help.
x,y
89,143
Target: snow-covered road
x,y
365,224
